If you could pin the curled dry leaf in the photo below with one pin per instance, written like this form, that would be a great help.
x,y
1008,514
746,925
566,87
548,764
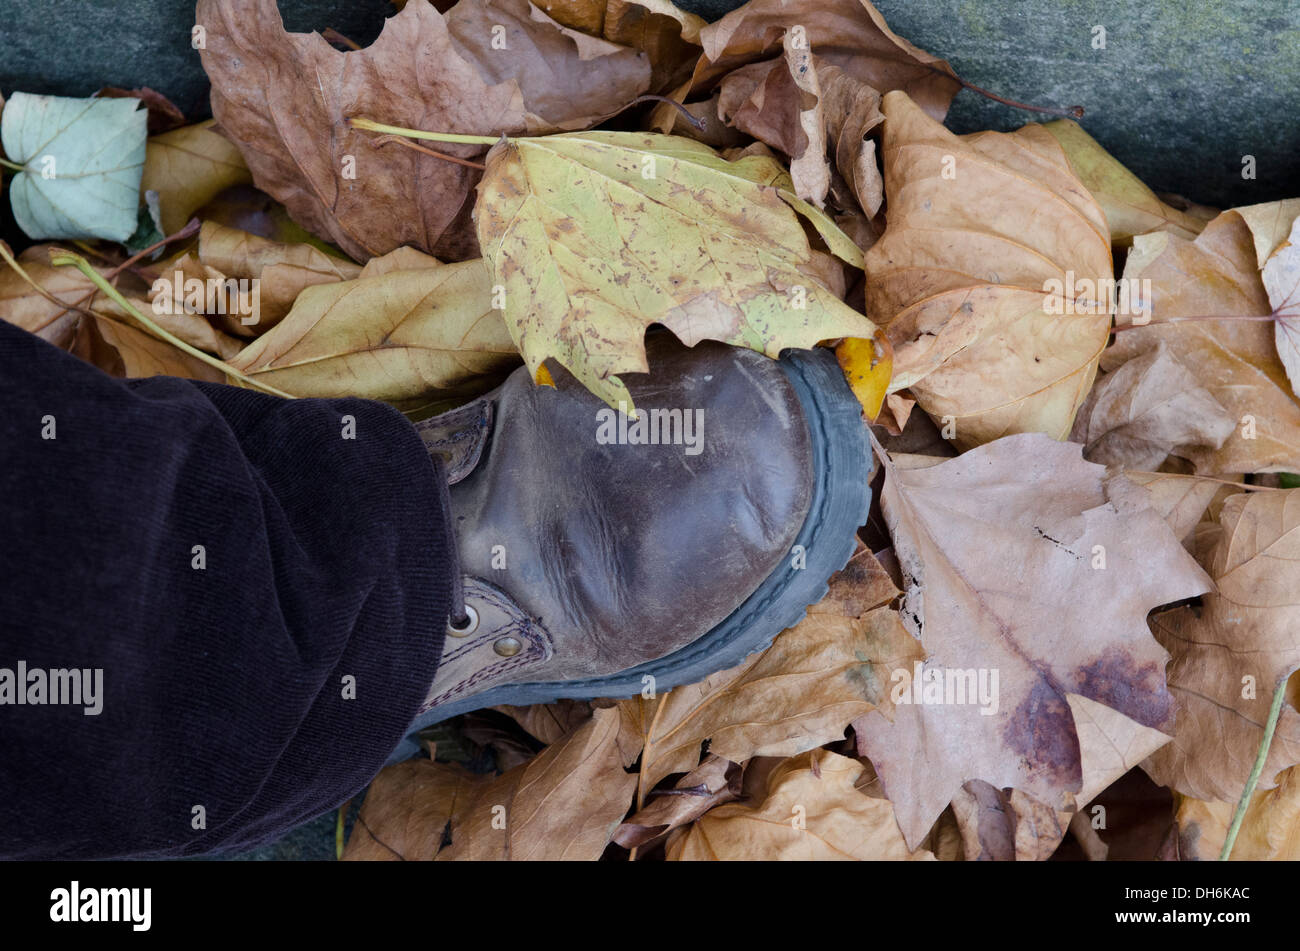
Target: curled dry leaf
x,y
849,34
1130,207
564,804
1230,654
594,236
282,271
668,36
1006,825
714,782
987,277
1150,407
813,810
805,106
1043,617
1215,279
406,811
803,691
284,98
188,167
401,337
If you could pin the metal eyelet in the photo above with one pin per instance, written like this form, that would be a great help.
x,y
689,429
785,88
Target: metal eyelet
x,y
466,629
507,646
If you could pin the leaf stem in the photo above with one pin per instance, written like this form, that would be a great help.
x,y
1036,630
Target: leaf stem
x,y
8,164
453,138
1274,712
60,258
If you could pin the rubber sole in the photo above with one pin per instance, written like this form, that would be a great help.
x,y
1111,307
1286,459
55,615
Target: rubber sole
x,y
839,504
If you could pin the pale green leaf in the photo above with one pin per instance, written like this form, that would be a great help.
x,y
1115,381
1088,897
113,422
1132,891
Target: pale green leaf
x,y
82,160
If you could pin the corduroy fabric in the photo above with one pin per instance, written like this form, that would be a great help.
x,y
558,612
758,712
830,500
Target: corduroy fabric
x,y
223,687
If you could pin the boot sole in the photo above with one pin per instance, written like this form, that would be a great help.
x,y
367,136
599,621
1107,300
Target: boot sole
x,y
839,504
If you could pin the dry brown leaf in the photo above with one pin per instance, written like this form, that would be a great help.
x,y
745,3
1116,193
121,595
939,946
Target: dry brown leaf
x,y
1001,551
813,811
1150,407
1130,207
1006,825
805,107
980,227
669,36
1235,360
284,98
550,722
188,167
145,355
850,34
1230,654
1275,227
406,811
714,782
402,337
1270,830
800,693
563,805
283,270
1181,500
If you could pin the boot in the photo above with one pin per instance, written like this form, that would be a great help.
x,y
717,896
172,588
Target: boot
x,y
600,555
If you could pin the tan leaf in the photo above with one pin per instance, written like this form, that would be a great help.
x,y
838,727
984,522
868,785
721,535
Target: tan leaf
x,y
1270,830
400,337
714,782
563,805
284,98
988,234
1130,207
406,811
1230,654
1006,825
145,355
282,270
1150,407
550,722
1235,360
188,167
1275,227
1040,614
800,693
813,811
1181,500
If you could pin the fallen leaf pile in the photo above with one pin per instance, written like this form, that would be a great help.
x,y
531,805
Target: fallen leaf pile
x,y
1070,625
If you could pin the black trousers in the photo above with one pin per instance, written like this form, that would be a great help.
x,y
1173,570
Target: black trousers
x,y
258,586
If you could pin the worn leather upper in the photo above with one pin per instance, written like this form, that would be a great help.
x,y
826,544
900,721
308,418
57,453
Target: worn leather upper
x,y
617,553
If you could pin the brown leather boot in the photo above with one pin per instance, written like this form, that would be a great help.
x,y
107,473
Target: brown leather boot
x,y
599,554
